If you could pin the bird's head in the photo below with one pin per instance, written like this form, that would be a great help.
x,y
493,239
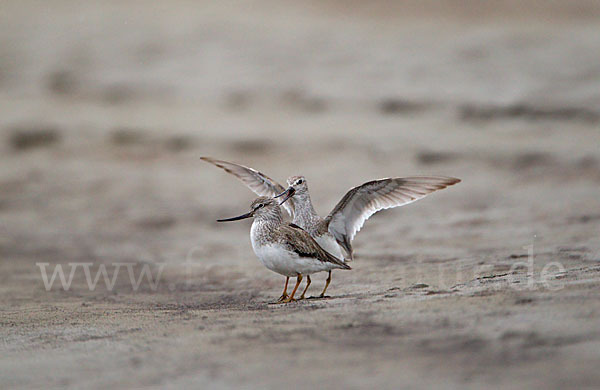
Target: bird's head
x,y
296,187
262,207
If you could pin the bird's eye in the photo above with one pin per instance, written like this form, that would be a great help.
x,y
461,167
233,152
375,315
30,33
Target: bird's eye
x,y
300,181
258,206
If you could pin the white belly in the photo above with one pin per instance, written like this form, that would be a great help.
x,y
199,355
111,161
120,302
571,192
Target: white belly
x,y
278,259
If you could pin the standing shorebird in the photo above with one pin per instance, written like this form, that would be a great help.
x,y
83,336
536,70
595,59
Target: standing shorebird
x,y
285,248
335,232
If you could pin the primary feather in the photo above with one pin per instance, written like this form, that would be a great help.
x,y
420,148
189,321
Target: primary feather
x,y
351,212
258,182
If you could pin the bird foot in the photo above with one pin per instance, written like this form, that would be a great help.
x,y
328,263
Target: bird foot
x,y
281,299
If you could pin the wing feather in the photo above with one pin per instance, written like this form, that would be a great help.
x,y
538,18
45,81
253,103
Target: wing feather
x,y
359,203
258,182
305,246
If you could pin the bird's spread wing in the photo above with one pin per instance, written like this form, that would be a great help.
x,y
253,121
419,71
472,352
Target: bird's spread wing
x,y
349,215
258,182
299,241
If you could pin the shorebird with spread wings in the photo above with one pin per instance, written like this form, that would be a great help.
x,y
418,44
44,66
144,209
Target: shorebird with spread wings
x,y
335,232
285,248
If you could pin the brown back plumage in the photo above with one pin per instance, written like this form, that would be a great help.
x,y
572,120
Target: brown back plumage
x,y
300,242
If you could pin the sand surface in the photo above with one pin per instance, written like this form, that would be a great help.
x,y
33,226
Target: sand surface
x,y
106,107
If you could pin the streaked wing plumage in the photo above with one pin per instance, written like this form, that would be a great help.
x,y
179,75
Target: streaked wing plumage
x,y
349,215
304,245
258,182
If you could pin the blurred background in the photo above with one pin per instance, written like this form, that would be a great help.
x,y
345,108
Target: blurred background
x,y
106,107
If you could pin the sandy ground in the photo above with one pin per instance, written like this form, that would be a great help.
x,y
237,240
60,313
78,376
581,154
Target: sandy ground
x,y
106,108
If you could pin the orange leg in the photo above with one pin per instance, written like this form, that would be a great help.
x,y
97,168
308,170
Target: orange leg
x,y
284,295
305,288
326,285
291,297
